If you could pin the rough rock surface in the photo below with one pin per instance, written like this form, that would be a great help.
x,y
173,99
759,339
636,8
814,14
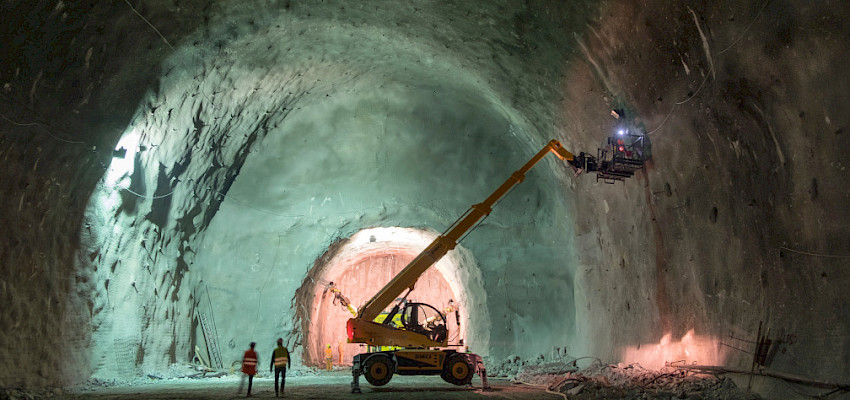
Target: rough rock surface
x,y
250,139
600,381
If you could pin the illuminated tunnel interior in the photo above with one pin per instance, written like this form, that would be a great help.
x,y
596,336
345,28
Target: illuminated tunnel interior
x,y
181,178
360,266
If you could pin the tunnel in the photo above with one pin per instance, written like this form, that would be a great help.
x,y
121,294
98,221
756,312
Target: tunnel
x,y
181,178
360,265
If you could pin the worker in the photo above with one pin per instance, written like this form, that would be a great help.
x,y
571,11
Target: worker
x,y
339,298
249,367
280,361
329,358
339,347
454,308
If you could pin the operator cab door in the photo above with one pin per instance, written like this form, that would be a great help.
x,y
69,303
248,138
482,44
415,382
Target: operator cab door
x,y
425,319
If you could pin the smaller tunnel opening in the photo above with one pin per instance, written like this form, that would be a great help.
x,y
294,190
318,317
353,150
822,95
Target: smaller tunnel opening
x,y
353,270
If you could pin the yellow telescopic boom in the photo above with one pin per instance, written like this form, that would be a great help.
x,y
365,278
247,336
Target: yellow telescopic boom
x,y
406,279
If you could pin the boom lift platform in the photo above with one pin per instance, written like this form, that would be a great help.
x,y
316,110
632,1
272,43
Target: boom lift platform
x,y
621,157
423,336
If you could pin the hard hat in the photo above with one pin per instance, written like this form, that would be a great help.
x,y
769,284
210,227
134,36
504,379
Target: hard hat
x,y
329,346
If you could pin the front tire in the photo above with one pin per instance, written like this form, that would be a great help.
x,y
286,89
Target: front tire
x,y
378,369
457,370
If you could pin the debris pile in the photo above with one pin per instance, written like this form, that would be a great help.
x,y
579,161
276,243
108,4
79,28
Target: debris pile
x,y
514,365
29,394
93,383
606,381
544,374
508,367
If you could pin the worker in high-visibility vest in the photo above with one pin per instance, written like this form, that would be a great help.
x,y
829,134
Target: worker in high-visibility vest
x,y
280,361
329,358
249,367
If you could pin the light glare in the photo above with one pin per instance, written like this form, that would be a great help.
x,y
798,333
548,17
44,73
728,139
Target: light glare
x,y
691,348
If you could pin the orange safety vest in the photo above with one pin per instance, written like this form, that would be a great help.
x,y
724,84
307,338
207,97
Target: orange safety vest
x,y
249,362
329,353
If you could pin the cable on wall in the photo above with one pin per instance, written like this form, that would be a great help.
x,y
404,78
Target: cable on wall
x,y
711,68
812,254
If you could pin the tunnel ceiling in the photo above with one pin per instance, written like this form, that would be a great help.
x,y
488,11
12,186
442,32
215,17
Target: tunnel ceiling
x,y
253,138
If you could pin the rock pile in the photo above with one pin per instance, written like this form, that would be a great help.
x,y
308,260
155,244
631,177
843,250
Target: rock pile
x,y
29,394
633,382
514,365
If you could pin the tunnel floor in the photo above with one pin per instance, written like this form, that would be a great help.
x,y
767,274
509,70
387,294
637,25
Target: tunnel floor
x,y
324,385
336,385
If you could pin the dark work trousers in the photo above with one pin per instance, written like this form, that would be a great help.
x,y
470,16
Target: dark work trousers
x,y
242,382
279,371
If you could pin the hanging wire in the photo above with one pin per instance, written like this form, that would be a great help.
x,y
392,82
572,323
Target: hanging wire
x,y
664,120
16,123
746,30
813,254
43,128
148,197
151,25
711,68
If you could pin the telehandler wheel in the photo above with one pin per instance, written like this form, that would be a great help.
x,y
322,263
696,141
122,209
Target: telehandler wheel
x,y
378,369
457,370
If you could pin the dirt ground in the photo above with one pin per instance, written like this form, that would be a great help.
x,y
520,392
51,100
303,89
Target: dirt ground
x,y
334,385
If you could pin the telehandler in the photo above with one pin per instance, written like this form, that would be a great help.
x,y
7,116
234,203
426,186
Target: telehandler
x,y
420,345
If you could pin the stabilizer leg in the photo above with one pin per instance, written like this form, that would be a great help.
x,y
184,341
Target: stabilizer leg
x,y
482,372
355,377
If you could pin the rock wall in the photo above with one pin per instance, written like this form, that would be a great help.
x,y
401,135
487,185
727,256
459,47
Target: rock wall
x,y
740,218
71,77
268,132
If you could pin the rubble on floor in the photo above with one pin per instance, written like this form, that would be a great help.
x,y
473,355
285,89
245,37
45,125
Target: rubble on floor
x,y
513,365
608,381
29,394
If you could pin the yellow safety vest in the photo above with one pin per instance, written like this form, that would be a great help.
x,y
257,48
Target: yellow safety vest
x,y
281,357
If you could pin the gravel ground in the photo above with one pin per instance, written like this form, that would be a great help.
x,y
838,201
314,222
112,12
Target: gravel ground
x,y
322,386
550,381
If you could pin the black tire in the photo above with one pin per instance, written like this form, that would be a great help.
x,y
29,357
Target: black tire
x,y
378,369
457,370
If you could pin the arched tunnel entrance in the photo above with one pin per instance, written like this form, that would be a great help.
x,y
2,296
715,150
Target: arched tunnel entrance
x,y
360,266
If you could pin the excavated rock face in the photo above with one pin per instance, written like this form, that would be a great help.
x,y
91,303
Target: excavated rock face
x,y
740,217
251,139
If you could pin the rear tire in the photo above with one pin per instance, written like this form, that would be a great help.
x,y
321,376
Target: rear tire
x,y
378,369
457,370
